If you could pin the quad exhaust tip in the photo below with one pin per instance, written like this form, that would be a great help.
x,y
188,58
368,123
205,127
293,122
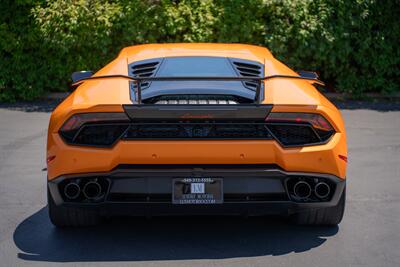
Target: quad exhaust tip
x,y
302,189
92,190
72,190
322,190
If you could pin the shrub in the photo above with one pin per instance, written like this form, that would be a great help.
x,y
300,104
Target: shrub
x,y
352,43
21,55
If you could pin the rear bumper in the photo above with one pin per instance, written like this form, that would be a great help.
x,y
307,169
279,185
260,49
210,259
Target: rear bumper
x,y
313,159
248,189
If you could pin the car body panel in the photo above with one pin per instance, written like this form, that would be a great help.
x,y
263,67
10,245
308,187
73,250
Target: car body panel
x,y
108,95
75,159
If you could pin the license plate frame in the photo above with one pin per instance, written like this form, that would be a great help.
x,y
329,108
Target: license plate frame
x,y
207,191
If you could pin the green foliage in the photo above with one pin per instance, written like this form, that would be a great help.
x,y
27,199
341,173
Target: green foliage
x,y
353,44
21,56
189,20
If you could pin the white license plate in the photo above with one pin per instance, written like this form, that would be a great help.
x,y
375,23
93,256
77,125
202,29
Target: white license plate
x,y
197,191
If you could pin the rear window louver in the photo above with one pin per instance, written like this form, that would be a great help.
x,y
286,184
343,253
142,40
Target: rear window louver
x,y
143,69
193,99
249,70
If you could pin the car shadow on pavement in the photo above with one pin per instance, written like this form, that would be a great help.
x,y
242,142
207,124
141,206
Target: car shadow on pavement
x,y
164,238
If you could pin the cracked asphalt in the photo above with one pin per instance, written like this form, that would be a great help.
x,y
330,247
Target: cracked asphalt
x,y
368,236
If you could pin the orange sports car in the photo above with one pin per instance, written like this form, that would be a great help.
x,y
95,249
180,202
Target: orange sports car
x,y
196,129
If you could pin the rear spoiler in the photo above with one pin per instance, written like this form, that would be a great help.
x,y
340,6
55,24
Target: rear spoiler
x,y
259,80
256,112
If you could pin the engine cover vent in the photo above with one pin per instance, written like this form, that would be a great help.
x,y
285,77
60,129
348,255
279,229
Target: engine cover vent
x,y
196,99
146,68
248,70
196,102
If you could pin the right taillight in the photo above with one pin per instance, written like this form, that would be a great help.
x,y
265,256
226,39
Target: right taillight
x,y
297,129
98,129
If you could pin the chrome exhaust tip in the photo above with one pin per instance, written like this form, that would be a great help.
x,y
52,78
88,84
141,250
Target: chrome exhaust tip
x,y
92,190
302,189
322,190
72,190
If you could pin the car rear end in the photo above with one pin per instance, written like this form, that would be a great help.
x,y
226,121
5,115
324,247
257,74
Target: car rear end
x,y
246,159
191,153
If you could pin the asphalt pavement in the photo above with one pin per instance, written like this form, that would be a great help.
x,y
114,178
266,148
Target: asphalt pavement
x,y
369,234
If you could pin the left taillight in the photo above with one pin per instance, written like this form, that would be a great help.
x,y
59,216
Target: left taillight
x,y
98,129
296,129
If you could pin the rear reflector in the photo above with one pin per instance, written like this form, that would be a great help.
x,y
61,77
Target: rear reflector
x,y
344,158
50,159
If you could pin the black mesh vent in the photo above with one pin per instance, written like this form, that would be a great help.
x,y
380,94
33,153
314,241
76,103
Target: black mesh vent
x,y
99,135
143,69
294,134
197,131
324,135
249,70
105,135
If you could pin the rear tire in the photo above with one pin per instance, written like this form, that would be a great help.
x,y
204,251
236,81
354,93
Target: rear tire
x,y
67,217
326,216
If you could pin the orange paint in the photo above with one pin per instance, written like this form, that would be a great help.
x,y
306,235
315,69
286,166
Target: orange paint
x,y
108,95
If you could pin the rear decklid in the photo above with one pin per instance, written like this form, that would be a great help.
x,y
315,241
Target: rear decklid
x,y
251,112
195,66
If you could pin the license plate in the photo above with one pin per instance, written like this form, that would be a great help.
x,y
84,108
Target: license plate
x,y
197,191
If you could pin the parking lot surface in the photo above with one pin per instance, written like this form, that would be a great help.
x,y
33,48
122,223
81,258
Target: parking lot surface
x,y
369,235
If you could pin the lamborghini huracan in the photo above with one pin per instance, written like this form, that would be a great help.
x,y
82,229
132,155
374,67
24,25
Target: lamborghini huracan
x,y
196,129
